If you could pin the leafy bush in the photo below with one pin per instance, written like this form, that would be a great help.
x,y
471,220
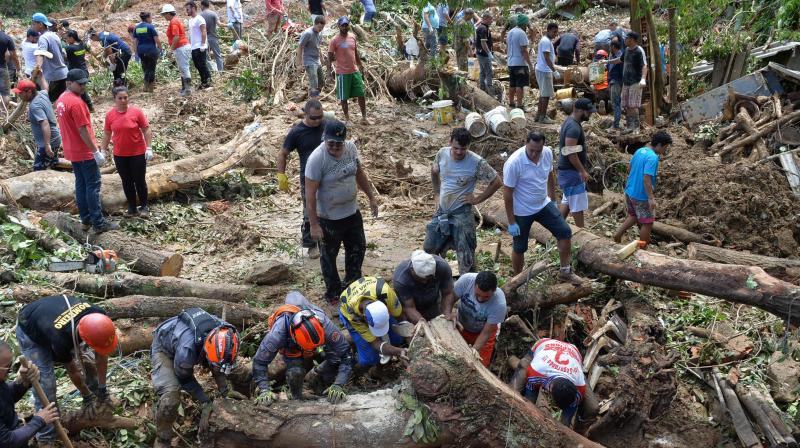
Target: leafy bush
x,y
247,86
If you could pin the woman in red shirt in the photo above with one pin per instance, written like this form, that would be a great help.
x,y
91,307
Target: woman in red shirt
x,y
129,129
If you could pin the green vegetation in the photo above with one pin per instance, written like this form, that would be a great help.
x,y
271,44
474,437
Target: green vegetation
x,y
247,86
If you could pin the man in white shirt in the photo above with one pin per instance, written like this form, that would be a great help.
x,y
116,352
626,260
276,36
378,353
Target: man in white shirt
x,y
545,70
235,17
198,38
529,183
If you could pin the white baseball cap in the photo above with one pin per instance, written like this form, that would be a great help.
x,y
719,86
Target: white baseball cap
x,y
423,263
167,8
377,316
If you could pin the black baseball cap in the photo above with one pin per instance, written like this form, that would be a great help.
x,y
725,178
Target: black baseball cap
x,y
335,131
585,104
78,75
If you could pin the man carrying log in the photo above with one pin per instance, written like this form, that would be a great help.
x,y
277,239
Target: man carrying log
x,y
80,148
640,189
572,173
304,137
481,311
58,329
557,367
368,309
529,184
333,175
296,330
12,433
454,173
308,57
43,124
349,79
422,283
194,337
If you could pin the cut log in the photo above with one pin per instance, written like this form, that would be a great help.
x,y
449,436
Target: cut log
x,y
75,422
44,239
145,257
476,99
52,190
401,79
466,409
785,425
762,132
558,5
28,293
782,268
746,123
748,285
136,307
770,432
136,334
552,295
740,422
127,283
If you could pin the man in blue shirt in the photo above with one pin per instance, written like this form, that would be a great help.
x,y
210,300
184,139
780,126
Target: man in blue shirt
x,y
640,188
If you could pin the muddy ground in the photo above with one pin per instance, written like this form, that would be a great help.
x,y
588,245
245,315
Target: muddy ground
x,y
241,218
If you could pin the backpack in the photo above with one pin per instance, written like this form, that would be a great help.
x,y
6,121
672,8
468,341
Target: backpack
x,y
201,322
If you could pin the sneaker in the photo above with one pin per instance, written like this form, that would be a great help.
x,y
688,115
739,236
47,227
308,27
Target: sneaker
x,y
108,225
85,226
313,252
130,213
144,211
546,120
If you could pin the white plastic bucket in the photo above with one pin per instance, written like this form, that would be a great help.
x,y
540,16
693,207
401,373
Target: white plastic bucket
x,y
518,118
443,111
498,121
475,124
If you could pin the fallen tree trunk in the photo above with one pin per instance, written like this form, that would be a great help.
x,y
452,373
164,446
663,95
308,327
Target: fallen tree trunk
x,y
136,334
748,285
75,422
145,257
127,283
464,398
135,307
401,83
762,132
782,268
52,190
551,295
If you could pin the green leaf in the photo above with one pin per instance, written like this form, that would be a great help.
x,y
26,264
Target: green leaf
x,y
417,418
419,431
409,428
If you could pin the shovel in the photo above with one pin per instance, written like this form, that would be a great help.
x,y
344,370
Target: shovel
x,y
62,433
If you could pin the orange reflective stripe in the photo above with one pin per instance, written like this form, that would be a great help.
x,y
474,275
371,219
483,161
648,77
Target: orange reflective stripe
x,y
281,310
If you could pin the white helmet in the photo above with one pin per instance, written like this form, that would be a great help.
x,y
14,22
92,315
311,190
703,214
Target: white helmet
x,y
167,8
377,316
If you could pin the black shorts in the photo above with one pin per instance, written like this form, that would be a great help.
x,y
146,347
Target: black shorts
x,y
519,76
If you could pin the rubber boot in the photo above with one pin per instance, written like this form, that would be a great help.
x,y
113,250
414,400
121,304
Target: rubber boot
x,y
166,414
186,86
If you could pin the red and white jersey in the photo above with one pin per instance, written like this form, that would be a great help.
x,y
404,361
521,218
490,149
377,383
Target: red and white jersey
x,y
553,358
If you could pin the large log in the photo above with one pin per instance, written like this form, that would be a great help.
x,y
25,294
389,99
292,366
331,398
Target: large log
x,y
135,307
127,283
782,268
550,295
762,132
748,285
465,398
145,257
52,190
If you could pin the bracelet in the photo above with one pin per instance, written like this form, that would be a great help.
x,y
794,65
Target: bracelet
x,y
380,350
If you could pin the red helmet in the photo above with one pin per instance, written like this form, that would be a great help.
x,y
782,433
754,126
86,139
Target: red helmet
x,y
98,332
222,346
306,330
603,53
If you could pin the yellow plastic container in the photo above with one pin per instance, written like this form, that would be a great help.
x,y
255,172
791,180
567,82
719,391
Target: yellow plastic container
x,y
473,69
562,94
443,112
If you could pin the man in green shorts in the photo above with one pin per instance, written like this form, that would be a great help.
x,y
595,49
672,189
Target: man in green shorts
x,y
349,81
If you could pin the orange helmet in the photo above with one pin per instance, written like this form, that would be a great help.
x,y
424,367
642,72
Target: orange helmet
x,y
98,332
222,346
306,330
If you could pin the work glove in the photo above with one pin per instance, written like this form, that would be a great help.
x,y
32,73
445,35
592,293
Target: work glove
x,y
148,155
557,75
336,394
203,48
29,374
99,157
265,397
283,182
643,83
513,229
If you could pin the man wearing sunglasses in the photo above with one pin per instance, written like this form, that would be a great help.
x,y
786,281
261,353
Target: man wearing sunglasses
x,y
304,137
12,434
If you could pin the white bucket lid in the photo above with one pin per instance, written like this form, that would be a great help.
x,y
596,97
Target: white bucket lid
x,y
443,103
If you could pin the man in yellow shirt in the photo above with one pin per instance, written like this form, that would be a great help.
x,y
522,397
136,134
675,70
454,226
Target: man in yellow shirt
x,y
368,308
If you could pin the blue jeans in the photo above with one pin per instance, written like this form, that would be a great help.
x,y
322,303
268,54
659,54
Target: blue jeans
x,y
44,162
368,356
486,73
430,42
615,91
42,357
87,192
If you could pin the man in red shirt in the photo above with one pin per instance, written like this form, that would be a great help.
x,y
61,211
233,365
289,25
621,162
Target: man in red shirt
x,y
176,36
349,82
80,148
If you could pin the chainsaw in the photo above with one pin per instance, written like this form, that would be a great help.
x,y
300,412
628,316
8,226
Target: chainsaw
x,y
99,261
